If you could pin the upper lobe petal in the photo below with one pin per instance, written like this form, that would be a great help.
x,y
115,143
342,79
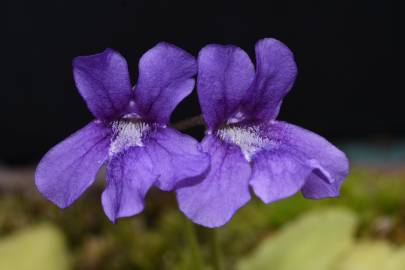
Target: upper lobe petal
x,y
224,190
103,81
224,75
165,79
70,167
300,157
275,74
176,157
129,177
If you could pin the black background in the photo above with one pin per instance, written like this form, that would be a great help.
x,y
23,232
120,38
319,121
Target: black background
x,y
345,87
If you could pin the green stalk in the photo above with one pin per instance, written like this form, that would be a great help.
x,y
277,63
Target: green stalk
x,y
191,236
216,250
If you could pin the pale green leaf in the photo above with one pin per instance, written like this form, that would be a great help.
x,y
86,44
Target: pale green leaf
x,y
313,242
38,248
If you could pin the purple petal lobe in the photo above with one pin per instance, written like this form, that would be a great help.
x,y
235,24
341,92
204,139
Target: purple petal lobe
x,y
165,79
104,83
316,188
295,158
224,190
177,158
70,167
224,75
277,175
130,174
275,74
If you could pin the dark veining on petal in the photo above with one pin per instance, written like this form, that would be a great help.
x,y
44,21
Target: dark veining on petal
x,y
104,90
71,167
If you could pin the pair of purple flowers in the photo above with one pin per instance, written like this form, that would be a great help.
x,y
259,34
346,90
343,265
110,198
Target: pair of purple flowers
x,y
244,145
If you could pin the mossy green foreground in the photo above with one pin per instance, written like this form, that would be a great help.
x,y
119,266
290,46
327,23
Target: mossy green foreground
x,y
363,229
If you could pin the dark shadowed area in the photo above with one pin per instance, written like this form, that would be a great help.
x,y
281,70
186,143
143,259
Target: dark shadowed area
x,y
345,87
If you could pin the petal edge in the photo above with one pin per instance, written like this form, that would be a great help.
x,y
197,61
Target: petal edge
x,y
225,73
214,200
103,81
275,75
165,79
319,166
177,158
129,177
71,166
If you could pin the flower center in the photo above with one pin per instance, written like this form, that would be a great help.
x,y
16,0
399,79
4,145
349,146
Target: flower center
x,y
248,138
127,133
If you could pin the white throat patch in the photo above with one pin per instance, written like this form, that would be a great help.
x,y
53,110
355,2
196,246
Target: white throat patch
x,y
126,134
249,139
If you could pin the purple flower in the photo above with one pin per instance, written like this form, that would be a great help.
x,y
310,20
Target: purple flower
x,y
130,132
248,147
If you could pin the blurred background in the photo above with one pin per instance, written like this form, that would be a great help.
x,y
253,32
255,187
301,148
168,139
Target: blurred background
x,y
346,90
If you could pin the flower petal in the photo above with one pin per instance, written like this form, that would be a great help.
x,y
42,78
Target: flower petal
x,y
316,188
177,158
129,177
275,74
297,157
70,167
224,75
103,81
277,175
223,190
165,79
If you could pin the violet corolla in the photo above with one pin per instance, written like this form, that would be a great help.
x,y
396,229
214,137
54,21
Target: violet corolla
x,y
130,133
248,147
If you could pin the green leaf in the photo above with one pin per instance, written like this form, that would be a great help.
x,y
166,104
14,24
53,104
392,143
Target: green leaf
x,y
378,255
397,261
41,247
313,242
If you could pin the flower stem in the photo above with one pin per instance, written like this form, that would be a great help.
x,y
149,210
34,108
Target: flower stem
x,y
216,250
189,123
196,256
